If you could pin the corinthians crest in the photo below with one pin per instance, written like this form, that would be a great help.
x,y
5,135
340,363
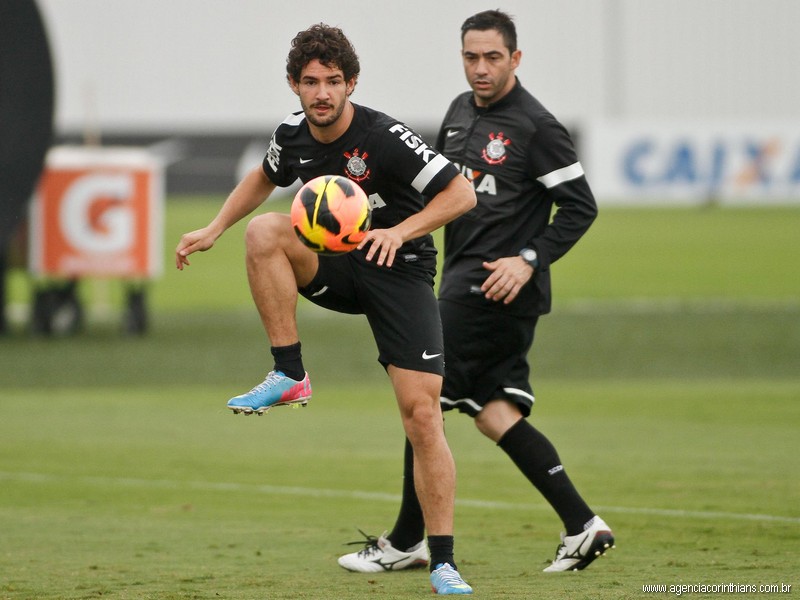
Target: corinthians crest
x,y
356,169
495,151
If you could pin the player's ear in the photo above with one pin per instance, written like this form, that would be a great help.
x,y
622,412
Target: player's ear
x,y
516,57
351,85
293,84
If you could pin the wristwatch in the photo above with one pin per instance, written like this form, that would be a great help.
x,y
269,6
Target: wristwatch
x,y
529,256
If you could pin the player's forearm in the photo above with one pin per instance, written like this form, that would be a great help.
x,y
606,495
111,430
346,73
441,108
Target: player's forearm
x,y
576,211
248,195
453,201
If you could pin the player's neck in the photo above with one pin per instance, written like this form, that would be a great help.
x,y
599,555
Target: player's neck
x,y
332,132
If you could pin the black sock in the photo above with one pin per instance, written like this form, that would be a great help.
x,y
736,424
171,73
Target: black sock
x,y
441,547
409,529
289,361
538,460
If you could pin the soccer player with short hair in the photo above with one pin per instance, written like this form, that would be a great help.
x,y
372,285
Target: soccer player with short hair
x,y
496,284
389,277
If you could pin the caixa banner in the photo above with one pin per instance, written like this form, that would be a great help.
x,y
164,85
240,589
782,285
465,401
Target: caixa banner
x,y
98,212
652,162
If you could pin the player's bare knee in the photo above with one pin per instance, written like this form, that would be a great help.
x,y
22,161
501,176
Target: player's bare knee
x,y
423,426
481,424
424,443
266,233
496,418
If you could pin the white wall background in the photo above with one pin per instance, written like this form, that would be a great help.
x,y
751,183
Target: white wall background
x,y
186,65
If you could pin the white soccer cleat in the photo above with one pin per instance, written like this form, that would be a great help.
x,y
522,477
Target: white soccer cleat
x,y
379,555
576,552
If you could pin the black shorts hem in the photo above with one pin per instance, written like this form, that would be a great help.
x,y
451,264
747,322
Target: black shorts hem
x,y
472,408
434,367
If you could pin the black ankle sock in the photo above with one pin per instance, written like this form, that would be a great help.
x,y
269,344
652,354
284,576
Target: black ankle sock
x,y
441,547
289,361
538,460
409,529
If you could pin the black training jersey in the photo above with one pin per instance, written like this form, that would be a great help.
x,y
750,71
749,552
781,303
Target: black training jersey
x,y
522,163
393,165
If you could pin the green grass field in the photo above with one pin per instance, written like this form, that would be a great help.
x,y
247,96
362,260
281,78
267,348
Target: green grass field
x,y
668,376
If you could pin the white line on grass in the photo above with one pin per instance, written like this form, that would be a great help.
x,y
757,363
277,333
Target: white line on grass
x,y
279,490
642,305
18,312
675,305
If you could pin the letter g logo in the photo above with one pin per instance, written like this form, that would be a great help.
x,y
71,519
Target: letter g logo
x,y
97,215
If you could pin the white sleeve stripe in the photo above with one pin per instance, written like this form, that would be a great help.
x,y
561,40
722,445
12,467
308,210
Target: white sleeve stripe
x,y
294,120
430,171
553,178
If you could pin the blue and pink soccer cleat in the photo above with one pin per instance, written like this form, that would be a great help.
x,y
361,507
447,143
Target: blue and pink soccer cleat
x,y
276,390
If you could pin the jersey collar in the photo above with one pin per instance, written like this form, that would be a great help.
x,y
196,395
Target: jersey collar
x,y
505,100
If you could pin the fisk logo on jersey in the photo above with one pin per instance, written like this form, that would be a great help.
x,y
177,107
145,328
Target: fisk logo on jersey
x,y
274,153
484,183
414,142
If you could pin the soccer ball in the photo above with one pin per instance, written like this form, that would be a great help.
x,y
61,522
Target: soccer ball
x,y
331,214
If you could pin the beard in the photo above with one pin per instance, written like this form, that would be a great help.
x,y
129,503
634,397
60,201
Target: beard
x,y
333,114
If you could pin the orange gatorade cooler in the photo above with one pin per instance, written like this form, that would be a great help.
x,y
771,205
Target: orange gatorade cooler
x,y
98,212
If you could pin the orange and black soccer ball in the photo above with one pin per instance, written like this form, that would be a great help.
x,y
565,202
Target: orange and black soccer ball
x,y
331,214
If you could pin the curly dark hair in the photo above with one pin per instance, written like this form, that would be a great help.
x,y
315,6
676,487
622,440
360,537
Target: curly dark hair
x,y
327,44
493,19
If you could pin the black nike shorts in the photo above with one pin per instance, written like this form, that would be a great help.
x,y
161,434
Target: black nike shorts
x,y
487,358
399,304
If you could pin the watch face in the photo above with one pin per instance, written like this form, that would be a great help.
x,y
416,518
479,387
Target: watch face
x,y
529,255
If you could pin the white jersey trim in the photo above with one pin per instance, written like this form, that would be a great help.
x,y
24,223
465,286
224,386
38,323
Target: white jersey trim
x,y
430,171
477,407
569,173
294,119
519,392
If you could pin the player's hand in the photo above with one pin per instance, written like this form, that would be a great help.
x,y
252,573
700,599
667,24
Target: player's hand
x,y
384,245
507,277
199,240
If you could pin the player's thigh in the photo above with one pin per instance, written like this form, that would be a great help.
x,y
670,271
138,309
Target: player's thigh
x,y
404,317
497,417
485,350
333,286
480,336
417,394
272,233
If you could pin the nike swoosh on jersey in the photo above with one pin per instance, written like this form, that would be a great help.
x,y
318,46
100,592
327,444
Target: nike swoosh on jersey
x,y
426,356
305,160
452,132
